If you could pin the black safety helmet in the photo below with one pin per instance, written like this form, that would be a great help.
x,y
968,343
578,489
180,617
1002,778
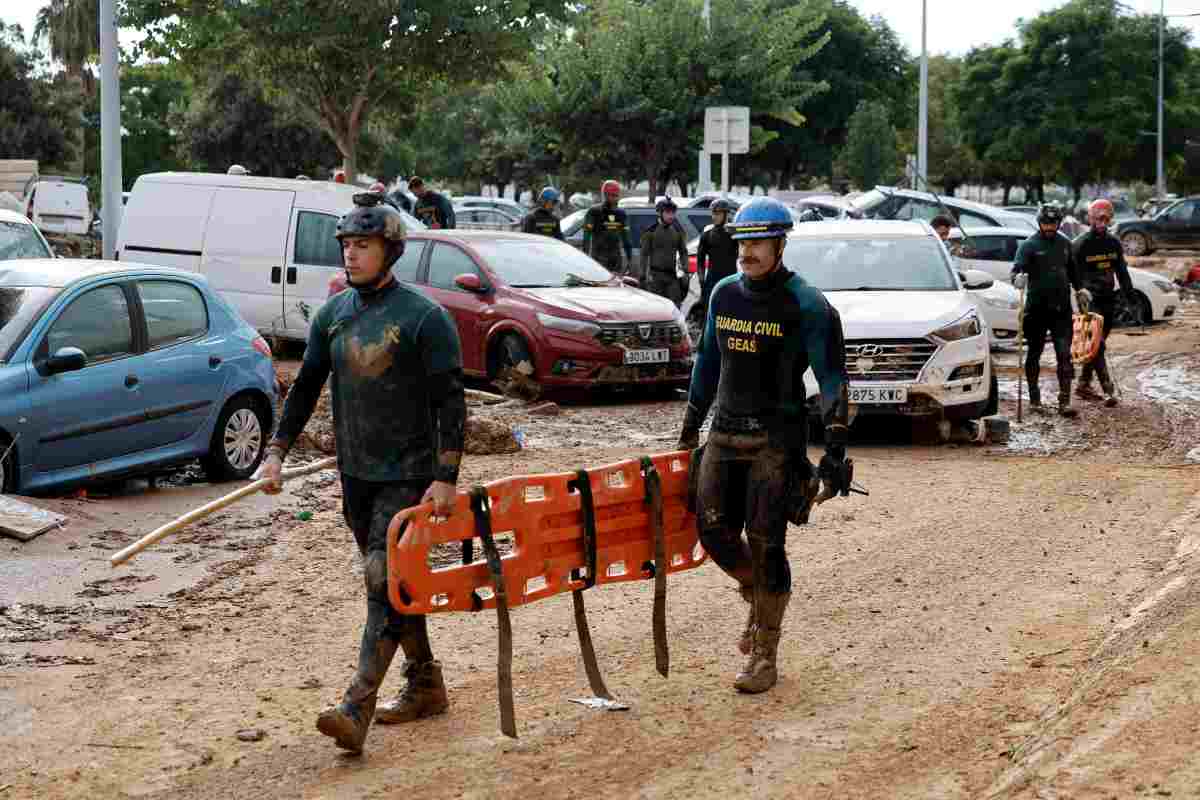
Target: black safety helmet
x,y
665,204
721,204
371,216
1050,214
809,215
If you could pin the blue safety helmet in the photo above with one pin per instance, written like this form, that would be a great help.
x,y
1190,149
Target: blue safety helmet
x,y
549,195
761,218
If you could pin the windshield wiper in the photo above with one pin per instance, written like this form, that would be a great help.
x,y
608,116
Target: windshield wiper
x,y
574,280
875,289
531,286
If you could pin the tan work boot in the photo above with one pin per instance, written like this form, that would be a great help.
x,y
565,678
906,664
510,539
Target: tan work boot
x,y
746,643
423,696
760,673
348,723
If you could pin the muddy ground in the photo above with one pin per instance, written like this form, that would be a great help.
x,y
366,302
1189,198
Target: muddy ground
x,y
1016,621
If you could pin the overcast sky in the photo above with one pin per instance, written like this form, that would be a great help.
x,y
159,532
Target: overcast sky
x,y
955,26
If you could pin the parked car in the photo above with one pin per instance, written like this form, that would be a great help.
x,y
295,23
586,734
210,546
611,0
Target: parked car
x,y
887,202
829,206
511,207
59,206
20,238
485,219
993,250
1176,227
916,341
266,244
521,297
1071,226
641,200
706,199
109,370
693,221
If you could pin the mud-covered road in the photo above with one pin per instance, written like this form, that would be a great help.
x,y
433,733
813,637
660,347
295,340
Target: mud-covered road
x,y
1014,620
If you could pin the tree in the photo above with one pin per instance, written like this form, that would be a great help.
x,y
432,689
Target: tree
x,y
870,156
627,79
152,96
345,58
990,112
34,112
72,28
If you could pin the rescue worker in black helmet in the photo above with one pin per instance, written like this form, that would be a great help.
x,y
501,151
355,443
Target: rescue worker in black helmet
x,y
716,253
1046,266
432,208
398,415
542,219
766,326
663,250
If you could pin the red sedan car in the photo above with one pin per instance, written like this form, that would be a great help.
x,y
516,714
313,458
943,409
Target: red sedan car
x,y
518,297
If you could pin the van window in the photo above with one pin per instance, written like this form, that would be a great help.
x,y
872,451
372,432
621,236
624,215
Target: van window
x,y
97,323
405,269
316,243
447,263
174,312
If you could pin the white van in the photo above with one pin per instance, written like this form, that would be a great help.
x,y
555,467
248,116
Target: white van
x,y
266,244
58,206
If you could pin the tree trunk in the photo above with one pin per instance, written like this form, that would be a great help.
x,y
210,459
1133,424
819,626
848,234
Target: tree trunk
x,y
1007,192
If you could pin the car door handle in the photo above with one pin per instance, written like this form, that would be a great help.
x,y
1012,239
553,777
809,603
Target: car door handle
x,y
214,361
131,381
291,275
276,274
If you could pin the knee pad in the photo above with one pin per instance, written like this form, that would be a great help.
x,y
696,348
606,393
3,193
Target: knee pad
x,y
376,575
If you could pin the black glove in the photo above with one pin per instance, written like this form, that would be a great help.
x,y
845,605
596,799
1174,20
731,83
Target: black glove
x,y
836,471
689,437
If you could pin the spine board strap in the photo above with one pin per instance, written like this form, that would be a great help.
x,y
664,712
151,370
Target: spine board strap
x,y
481,507
583,485
654,498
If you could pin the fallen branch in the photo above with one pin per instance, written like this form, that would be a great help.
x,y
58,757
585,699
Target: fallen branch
x,y
117,746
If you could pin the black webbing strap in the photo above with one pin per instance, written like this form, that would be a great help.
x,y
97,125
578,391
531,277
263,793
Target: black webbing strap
x,y
481,507
583,484
662,657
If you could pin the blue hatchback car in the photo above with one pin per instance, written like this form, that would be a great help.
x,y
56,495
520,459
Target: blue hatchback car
x,y
113,369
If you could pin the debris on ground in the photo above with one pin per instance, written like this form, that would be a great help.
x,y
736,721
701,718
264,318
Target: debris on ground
x,y
251,734
23,521
518,383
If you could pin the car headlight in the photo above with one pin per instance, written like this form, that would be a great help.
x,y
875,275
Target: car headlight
x,y
1164,286
1000,302
965,328
578,327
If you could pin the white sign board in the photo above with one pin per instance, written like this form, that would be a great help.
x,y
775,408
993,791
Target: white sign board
x,y
727,127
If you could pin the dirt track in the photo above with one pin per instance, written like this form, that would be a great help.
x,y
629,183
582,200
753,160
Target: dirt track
x,y
988,623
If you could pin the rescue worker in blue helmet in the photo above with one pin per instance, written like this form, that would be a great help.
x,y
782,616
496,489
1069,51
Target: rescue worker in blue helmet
x,y
766,326
542,219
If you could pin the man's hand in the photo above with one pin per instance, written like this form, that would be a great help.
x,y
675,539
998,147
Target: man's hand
x,y
1020,280
835,472
1084,298
441,494
688,440
272,469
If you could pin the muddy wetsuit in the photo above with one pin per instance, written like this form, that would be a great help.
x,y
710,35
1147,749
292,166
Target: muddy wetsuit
x,y
606,235
760,338
662,247
716,259
1101,263
435,211
542,221
398,415
1050,267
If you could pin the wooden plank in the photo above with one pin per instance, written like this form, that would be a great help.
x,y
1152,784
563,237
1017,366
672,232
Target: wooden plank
x,y
23,521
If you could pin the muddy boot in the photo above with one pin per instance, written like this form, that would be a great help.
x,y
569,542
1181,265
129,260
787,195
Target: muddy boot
x,y
1110,395
1064,403
423,696
1084,390
746,643
760,674
347,723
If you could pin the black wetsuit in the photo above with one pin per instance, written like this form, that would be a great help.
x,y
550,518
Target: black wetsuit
x,y
716,259
1050,266
606,235
1102,268
542,221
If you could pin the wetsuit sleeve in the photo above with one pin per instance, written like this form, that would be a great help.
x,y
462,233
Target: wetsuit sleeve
x,y
625,239
447,212
644,255
588,223
1122,268
827,356
1021,262
706,373
702,257
306,390
1072,266
441,355
558,234
527,224
681,246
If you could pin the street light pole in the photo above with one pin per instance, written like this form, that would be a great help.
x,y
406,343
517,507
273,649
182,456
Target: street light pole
x,y
923,120
1162,21
705,173
110,128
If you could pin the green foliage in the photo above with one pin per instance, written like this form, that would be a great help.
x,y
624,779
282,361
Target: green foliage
x,y
150,95
34,111
870,156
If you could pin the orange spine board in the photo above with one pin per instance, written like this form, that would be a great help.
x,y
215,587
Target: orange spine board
x,y
545,518
1087,336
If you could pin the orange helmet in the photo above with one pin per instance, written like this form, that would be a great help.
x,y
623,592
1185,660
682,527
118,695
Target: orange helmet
x,y
610,187
1101,204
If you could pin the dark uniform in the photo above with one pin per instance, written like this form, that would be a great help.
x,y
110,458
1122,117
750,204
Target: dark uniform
x,y
1101,264
662,247
435,211
716,259
1050,267
398,414
542,221
605,235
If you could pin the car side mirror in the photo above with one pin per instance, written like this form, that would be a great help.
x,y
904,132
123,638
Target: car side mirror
x,y
66,359
631,282
975,279
470,282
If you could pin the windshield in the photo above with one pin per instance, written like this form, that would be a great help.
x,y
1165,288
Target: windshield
x,y
864,264
18,240
19,306
525,264
572,222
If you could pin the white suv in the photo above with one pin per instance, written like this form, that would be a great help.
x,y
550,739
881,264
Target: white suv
x,y
916,342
